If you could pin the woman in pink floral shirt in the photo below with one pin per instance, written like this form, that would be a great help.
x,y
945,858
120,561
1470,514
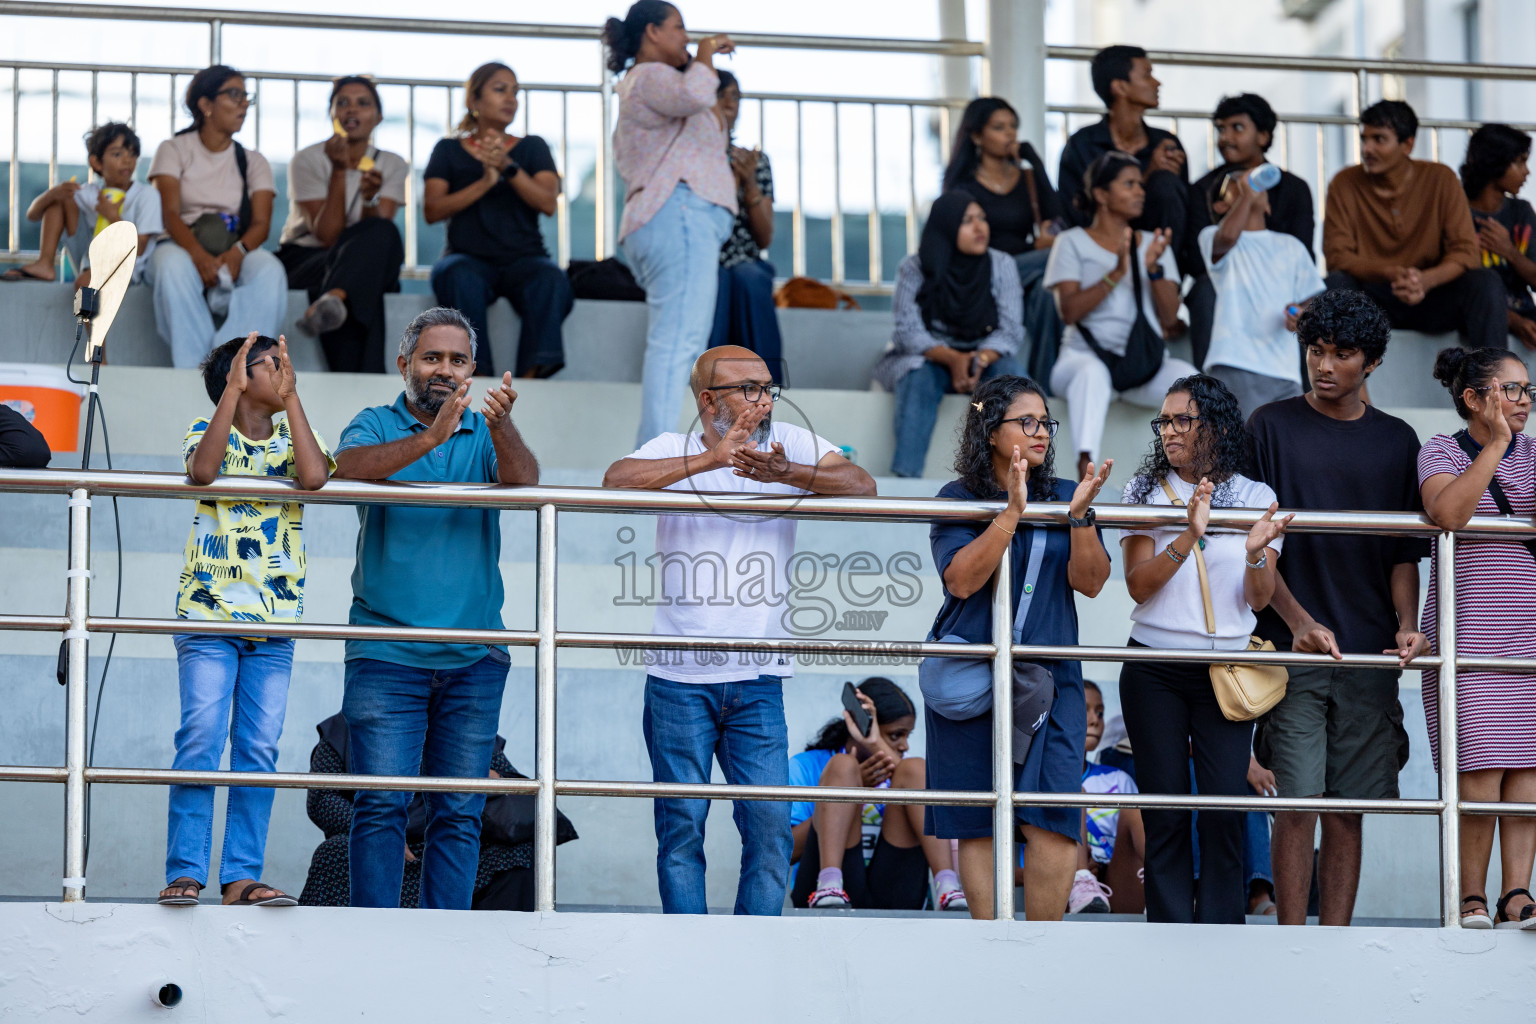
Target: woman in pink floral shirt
x,y
679,196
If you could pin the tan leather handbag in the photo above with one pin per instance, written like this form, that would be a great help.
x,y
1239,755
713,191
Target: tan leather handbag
x,y
1243,692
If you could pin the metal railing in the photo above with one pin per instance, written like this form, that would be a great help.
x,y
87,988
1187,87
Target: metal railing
x,y
599,137
547,639
1293,130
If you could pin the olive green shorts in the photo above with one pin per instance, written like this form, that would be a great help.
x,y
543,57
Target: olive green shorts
x,y
1338,732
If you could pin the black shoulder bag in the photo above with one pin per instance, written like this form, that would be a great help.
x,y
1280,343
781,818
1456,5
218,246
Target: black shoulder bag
x,y
1144,349
1495,491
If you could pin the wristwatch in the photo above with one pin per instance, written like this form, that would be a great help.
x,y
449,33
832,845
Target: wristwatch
x,y
510,171
1261,563
1156,275
1087,520
240,244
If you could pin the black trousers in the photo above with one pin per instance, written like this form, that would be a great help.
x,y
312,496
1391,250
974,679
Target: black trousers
x,y
1171,714
1473,304
365,263
511,889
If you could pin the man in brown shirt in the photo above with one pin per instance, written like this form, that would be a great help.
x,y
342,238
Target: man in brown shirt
x,y
1400,230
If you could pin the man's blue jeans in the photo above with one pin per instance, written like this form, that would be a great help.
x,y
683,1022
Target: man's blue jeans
x,y
420,721
917,409
742,725
218,675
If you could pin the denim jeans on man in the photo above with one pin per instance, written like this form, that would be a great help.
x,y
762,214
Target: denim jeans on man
x,y
675,257
742,725
215,674
420,721
917,409
182,317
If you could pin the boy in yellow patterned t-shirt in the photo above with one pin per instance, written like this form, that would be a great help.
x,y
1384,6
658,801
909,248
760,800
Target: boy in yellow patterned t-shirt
x,y
244,563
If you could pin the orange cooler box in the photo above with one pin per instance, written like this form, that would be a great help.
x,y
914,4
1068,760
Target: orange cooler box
x,y
47,398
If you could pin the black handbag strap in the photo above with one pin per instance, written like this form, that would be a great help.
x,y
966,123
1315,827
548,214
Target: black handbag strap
x,y
1495,490
245,191
1109,358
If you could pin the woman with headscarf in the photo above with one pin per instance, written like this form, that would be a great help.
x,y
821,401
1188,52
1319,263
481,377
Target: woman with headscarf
x,y
958,309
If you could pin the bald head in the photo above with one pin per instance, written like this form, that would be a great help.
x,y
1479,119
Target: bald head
x,y
727,364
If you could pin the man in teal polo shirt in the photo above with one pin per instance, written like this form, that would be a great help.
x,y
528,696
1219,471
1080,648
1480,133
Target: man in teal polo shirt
x,y
421,708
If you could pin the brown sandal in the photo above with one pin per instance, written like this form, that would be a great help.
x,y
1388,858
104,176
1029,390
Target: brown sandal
x,y
282,899
181,899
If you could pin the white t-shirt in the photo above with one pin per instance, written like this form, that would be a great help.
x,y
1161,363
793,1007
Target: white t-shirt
x,y
1077,257
1174,617
1257,278
725,574
141,208
210,182
309,180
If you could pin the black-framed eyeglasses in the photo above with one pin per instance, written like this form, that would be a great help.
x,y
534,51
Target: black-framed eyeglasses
x,y
237,95
1513,391
1031,425
277,360
752,392
1181,424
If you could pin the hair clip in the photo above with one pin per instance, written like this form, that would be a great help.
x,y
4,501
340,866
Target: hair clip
x,y
978,406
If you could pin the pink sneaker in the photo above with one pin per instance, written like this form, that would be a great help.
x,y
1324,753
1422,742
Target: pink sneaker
x,y
953,899
830,897
1089,895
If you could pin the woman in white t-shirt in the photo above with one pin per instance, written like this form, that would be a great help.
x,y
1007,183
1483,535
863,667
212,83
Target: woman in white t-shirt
x,y
1090,272
216,199
1170,708
340,243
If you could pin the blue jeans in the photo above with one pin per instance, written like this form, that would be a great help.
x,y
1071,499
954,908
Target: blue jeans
x,y
742,725
420,721
917,408
217,675
675,257
258,303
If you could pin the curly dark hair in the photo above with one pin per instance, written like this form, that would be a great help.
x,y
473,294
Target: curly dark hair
x,y
1346,319
1256,107
891,702
1490,151
1222,449
973,455
1461,368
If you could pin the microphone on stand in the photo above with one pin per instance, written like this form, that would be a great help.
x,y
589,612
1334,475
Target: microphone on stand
x,y
112,256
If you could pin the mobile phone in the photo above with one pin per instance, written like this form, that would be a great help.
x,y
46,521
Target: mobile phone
x,y
861,718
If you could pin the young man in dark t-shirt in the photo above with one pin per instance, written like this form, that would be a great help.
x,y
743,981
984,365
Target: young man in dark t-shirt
x,y
1122,76
1245,129
1338,732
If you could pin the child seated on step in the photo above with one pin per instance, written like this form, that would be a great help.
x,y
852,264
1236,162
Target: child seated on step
x,y
77,213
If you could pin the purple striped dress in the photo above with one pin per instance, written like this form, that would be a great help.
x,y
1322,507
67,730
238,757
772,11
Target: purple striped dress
x,y
1495,617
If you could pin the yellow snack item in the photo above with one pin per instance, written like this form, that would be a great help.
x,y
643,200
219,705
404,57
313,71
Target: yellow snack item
x,y
366,163
114,195
336,124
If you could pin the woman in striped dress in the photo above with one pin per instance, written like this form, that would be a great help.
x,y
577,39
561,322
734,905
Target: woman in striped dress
x,y
1460,476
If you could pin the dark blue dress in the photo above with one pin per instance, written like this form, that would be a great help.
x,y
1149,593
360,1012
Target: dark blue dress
x,y
960,753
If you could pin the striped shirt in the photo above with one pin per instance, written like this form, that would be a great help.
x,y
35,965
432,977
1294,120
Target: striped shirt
x,y
911,337
1495,617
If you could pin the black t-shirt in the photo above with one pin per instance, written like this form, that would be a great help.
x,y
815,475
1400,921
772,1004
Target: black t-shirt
x,y
1012,216
1518,219
1290,211
1317,463
498,227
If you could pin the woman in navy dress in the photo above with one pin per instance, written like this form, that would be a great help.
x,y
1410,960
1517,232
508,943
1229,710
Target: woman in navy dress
x,y
1006,453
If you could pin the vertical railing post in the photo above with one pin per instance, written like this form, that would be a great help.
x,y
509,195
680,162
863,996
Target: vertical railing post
x,y
607,224
216,41
544,718
76,609
1002,738
1450,814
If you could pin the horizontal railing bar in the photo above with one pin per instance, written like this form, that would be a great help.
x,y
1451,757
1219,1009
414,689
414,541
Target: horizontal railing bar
x,y
830,794
305,780
1347,120
37,622
443,26
1207,656
311,631
597,499
32,773
787,645
1517,810
1160,801
1342,65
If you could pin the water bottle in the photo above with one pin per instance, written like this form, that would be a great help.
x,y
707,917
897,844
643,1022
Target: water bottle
x,y
1264,177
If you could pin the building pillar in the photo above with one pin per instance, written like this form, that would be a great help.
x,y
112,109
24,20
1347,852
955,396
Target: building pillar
x,y
1014,67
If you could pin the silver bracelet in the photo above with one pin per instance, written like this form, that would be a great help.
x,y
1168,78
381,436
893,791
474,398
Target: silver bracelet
x,y
1261,563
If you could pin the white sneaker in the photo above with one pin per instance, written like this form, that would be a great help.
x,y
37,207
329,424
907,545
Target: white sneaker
x,y
953,899
1089,895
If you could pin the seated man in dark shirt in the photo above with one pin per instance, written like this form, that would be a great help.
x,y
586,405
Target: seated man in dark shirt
x,y
1245,128
1122,76
21,444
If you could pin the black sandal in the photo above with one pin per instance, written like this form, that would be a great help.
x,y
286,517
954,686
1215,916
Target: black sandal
x,y
1471,918
181,899
1527,919
282,899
